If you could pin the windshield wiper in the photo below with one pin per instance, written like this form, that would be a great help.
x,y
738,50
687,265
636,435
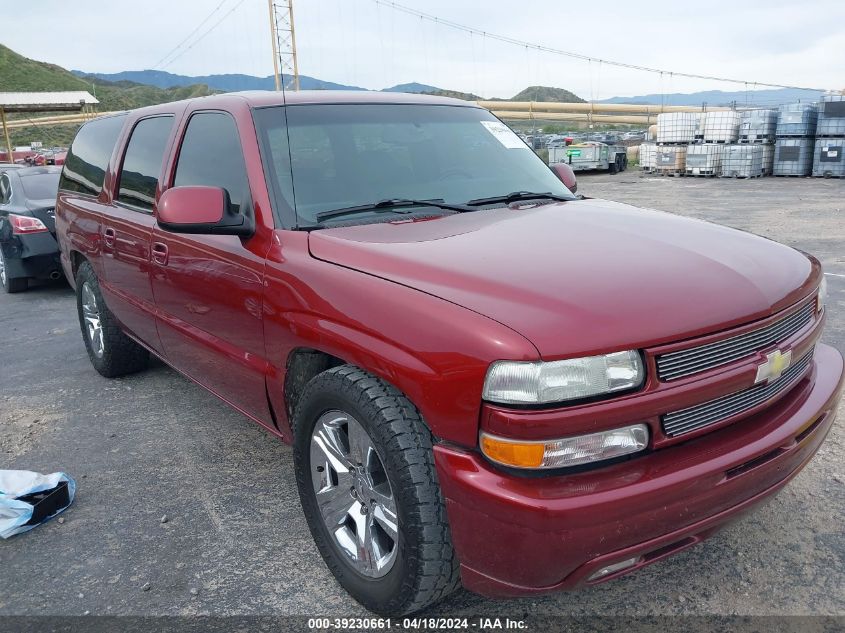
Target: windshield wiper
x,y
517,196
389,205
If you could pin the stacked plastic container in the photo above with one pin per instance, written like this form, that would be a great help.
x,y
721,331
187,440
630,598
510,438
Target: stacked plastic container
x,y
716,130
753,154
648,154
743,160
796,131
675,131
828,160
704,159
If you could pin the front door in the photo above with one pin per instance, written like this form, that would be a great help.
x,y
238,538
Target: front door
x,y
209,288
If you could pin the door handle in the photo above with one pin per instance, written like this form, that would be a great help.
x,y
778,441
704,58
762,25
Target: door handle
x,y
108,237
159,253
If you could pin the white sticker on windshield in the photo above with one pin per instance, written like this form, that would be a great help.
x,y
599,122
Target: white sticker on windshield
x,y
504,134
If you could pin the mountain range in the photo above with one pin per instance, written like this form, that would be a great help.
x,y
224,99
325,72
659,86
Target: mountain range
x,y
771,97
235,82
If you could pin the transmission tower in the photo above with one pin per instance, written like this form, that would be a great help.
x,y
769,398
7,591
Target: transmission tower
x,y
284,44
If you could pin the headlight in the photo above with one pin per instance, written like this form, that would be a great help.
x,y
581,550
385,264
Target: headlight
x,y
822,296
568,451
517,382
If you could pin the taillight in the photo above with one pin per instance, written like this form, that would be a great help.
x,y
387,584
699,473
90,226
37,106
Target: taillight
x,y
22,224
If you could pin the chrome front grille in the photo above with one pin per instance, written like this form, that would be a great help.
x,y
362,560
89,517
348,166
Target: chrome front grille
x,y
714,411
685,362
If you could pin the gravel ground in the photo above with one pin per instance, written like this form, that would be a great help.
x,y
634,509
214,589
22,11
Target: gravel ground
x,y
234,541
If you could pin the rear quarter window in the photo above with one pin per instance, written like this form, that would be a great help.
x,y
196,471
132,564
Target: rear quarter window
x,y
89,155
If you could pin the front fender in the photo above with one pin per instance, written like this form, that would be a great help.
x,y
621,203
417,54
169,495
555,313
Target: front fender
x,y
435,352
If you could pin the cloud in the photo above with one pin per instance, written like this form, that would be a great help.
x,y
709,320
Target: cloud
x,y
360,42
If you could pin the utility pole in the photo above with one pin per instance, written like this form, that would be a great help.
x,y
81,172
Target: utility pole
x,y
284,43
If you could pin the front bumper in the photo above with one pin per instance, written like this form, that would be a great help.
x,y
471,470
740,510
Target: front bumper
x,y
517,535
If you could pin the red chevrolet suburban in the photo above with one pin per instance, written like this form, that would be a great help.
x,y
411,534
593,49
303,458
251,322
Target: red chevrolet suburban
x,y
486,379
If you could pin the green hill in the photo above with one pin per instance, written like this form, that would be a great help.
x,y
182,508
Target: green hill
x,y
21,74
545,93
455,94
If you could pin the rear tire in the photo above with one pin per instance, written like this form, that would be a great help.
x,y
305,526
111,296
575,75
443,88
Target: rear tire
x,y
111,352
11,284
336,406
613,167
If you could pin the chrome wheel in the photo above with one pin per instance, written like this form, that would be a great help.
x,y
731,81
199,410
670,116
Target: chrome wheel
x,y
2,268
353,493
91,317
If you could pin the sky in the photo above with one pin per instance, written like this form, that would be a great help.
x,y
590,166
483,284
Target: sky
x,y
367,44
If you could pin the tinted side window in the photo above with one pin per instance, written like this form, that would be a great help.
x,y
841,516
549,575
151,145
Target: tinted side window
x,y
142,162
88,157
211,156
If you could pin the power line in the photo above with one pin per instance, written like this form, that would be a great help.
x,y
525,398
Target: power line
x,y
201,37
197,28
555,51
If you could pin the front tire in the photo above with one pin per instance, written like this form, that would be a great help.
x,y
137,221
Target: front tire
x,y
366,476
111,352
11,284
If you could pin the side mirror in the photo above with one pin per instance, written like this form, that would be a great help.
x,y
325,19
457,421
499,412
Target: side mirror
x,y
566,175
197,209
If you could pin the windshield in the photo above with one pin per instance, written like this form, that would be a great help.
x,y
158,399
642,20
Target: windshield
x,y
41,186
338,156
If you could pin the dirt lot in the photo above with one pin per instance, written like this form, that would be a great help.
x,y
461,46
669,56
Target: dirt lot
x,y
235,541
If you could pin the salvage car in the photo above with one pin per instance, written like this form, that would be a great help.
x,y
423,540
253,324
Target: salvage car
x,y
486,380
28,248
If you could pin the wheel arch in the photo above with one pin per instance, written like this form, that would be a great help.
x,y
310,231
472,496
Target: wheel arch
x,y
76,259
395,366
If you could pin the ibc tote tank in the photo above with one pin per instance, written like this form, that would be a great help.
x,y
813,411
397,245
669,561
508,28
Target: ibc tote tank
x,y
768,159
648,152
704,160
793,157
671,158
831,116
797,119
757,125
827,158
676,127
743,161
721,126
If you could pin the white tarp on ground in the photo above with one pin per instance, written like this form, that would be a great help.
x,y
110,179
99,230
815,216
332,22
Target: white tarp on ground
x,y
14,513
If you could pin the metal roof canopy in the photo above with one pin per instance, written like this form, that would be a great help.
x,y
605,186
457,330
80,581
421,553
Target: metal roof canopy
x,y
40,102
46,101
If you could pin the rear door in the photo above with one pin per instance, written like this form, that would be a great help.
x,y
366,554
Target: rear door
x,y
209,288
127,228
83,192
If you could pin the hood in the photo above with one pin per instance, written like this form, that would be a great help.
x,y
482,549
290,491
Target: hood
x,y
582,277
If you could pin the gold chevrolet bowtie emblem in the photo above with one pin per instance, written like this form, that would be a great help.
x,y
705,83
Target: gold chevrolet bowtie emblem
x,y
776,363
